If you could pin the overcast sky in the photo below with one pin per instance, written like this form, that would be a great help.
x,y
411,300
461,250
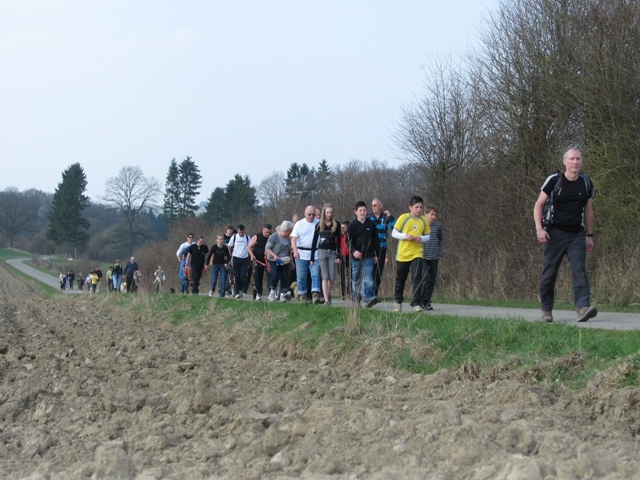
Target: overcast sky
x,y
244,87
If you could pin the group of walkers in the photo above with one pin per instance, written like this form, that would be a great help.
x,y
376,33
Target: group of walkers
x,y
124,279
308,253
119,278
91,281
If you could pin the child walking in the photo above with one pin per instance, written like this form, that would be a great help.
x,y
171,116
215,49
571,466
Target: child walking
x,y
433,252
412,229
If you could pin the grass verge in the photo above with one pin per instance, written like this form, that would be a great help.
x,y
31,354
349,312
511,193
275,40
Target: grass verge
x,y
471,348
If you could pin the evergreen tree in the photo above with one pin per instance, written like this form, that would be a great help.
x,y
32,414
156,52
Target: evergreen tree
x,y
241,198
172,193
322,178
301,182
190,181
66,223
216,210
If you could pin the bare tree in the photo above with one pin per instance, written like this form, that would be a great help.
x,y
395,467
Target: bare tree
x,y
439,133
132,193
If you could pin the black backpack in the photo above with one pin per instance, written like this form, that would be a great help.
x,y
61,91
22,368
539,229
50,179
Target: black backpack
x,y
548,209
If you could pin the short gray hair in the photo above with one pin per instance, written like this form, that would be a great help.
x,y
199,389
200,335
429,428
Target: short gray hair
x,y
286,226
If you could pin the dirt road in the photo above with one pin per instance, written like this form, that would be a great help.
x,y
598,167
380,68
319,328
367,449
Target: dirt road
x,y
86,392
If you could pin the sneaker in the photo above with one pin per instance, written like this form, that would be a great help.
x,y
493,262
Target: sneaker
x,y
585,313
547,317
285,297
397,307
417,309
273,296
258,296
315,298
210,293
237,295
371,302
428,307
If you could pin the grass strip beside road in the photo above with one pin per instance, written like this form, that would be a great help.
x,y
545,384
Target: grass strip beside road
x,y
7,253
549,354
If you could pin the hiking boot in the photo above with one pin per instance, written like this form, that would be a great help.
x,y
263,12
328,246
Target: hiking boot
x,y
397,307
585,313
417,309
315,298
273,296
302,298
371,302
547,317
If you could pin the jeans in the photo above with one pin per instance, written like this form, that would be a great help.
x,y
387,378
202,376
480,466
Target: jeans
x,y
574,246
364,266
302,267
418,269
222,271
117,281
279,273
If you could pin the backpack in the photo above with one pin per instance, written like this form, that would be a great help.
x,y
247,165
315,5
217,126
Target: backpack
x,y
548,208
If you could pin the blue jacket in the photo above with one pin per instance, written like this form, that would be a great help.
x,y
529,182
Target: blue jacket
x,y
382,225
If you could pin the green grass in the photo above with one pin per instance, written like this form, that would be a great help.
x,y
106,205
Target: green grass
x,y
491,348
7,253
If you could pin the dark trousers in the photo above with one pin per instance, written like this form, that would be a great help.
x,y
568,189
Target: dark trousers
x,y
345,276
432,273
258,277
418,270
196,276
279,274
574,246
240,269
129,281
377,273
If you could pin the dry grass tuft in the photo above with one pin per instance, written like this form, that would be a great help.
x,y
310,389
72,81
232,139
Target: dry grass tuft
x,y
469,371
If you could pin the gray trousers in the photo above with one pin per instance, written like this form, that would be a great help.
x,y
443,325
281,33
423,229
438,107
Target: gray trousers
x,y
574,246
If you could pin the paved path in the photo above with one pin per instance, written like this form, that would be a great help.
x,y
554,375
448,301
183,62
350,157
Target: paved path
x,y
50,280
606,320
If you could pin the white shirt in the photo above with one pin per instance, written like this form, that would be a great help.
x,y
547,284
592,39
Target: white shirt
x,y
239,244
303,231
182,247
